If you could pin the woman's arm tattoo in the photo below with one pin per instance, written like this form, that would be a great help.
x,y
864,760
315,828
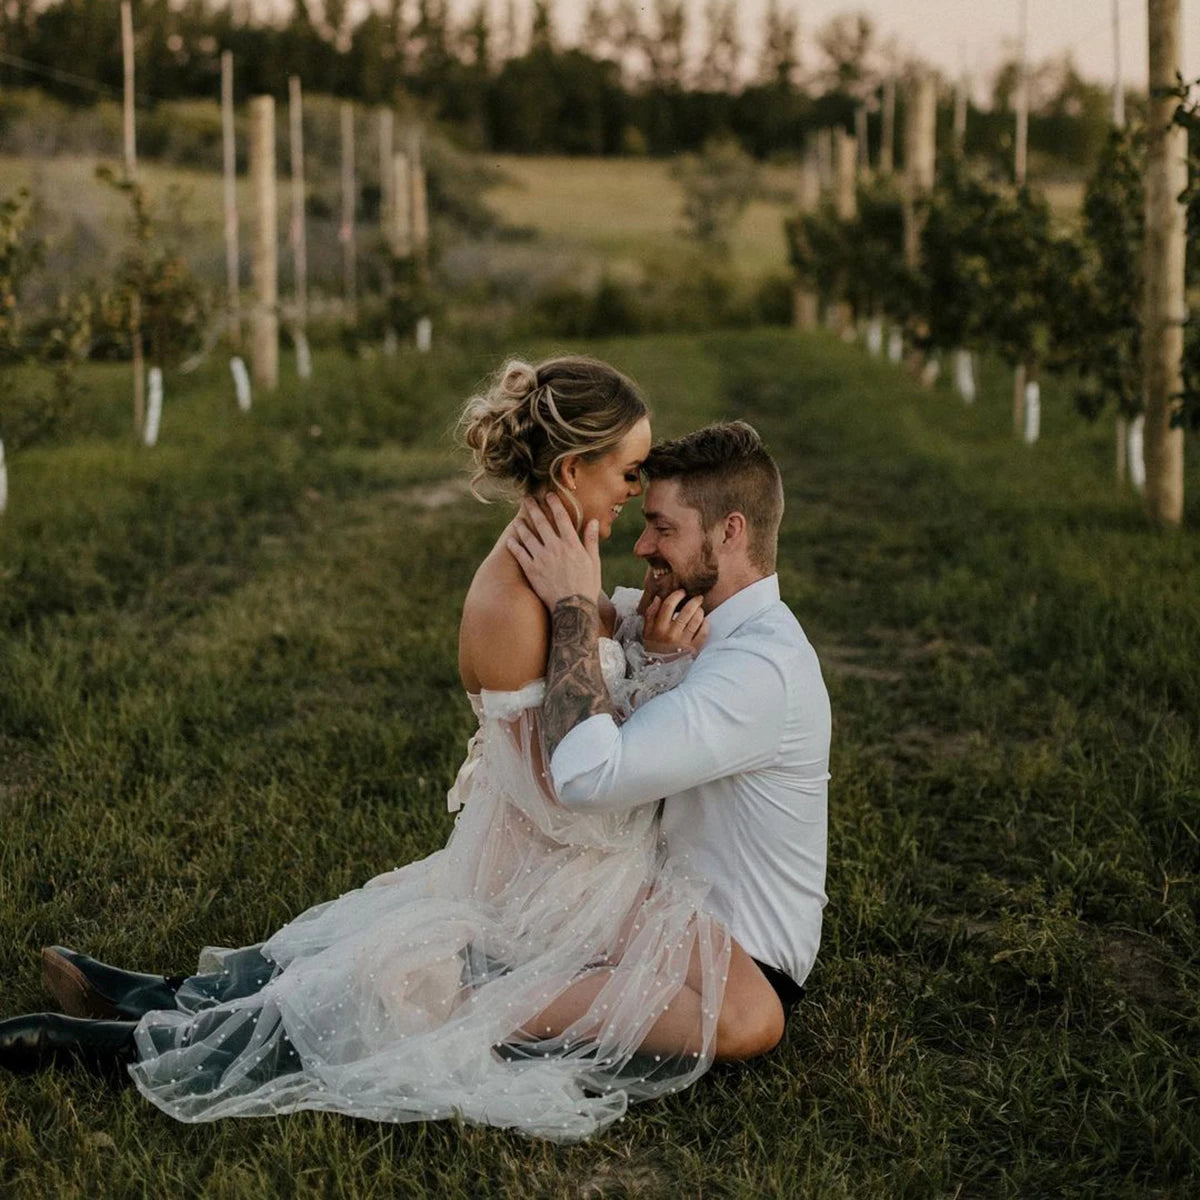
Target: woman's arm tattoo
x,y
575,687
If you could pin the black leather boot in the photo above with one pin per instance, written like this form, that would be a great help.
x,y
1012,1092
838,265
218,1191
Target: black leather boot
x,y
40,1040
84,987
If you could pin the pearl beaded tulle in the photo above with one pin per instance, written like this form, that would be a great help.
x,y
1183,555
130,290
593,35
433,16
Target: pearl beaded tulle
x,y
415,997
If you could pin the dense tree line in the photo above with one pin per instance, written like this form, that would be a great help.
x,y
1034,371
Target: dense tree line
x,y
629,87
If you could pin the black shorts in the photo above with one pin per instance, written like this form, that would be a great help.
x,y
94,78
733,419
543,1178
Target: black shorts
x,y
786,988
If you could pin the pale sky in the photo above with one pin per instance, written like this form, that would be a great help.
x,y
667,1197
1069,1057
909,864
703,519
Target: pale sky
x,y
975,35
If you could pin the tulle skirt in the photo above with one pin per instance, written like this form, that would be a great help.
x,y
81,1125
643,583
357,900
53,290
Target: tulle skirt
x,y
423,994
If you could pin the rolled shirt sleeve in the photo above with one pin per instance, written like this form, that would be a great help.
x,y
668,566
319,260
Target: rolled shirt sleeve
x,y
726,717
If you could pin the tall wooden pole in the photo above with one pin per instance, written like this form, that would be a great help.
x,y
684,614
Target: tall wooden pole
x,y
1020,164
298,237
229,165
1164,298
920,156
806,302
387,220
962,96
127,55
265,338
400,233
1118,90
825,158
419,210
386,153
349,205
1118,118
1022,139
135,300
887,139
845,202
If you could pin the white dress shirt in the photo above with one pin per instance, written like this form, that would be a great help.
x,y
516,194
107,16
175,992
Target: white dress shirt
x,y
740,749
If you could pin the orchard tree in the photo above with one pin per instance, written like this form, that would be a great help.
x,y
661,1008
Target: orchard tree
x,y
717,185
32,407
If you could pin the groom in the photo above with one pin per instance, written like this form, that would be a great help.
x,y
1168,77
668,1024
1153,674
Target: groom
x,y
740,747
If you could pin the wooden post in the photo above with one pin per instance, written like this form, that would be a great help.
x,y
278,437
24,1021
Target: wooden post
x,y
961,100
920,156
825,158
349,206
860,136
1125,441
1165,304
845,201
264,351
887,143
1118,88
387,192
3,480
920,166
419,211
229,168
127,56
400,232
297,231
1022,139
135,301
805,302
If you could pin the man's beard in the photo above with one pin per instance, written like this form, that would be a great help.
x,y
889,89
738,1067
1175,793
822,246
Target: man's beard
x,y
697,577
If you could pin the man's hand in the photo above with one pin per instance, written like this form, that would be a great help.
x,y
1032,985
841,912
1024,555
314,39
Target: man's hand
x,y
674,623
549,551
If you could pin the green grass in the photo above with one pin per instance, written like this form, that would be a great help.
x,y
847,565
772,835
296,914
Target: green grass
x,y
623,210
227,691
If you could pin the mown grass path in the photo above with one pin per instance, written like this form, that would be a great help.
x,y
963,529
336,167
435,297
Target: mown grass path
x,y
227,691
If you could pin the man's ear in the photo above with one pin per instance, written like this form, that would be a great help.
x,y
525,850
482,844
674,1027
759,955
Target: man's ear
x,y
733,529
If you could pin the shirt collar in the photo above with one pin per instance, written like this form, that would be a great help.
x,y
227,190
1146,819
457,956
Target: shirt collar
x,y
741,606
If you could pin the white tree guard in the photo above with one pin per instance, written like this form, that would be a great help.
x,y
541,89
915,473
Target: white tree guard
x,y
3,479
154,403
390,345
1033,412
932,369
424,334
241,382
875,336
895,346
303,354
964,375
1135,452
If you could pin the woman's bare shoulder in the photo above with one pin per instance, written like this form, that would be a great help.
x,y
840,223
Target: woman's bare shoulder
x,y
504,638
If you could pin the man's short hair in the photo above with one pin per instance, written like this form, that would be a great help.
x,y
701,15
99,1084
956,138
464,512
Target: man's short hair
x,y
721,469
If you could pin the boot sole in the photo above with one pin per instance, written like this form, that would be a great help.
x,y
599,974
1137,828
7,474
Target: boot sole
x,y
71,989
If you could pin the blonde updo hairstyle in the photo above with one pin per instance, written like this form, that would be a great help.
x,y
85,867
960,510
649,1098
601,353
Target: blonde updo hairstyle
x,y
531,419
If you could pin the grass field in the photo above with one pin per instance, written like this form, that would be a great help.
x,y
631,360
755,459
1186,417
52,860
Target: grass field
x,y
227,691
586,214
627,208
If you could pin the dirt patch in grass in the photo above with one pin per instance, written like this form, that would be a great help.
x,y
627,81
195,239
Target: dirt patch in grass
x,y
1136,965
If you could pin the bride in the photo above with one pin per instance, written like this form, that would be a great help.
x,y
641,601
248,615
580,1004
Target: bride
x,y
539,972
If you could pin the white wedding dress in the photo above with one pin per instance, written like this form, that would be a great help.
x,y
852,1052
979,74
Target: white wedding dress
x,y
406,999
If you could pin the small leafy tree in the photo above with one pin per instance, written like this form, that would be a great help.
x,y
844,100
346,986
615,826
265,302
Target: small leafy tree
x,y
717,185
955,258
153,279
879,283
817,250
1101,334
32,409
